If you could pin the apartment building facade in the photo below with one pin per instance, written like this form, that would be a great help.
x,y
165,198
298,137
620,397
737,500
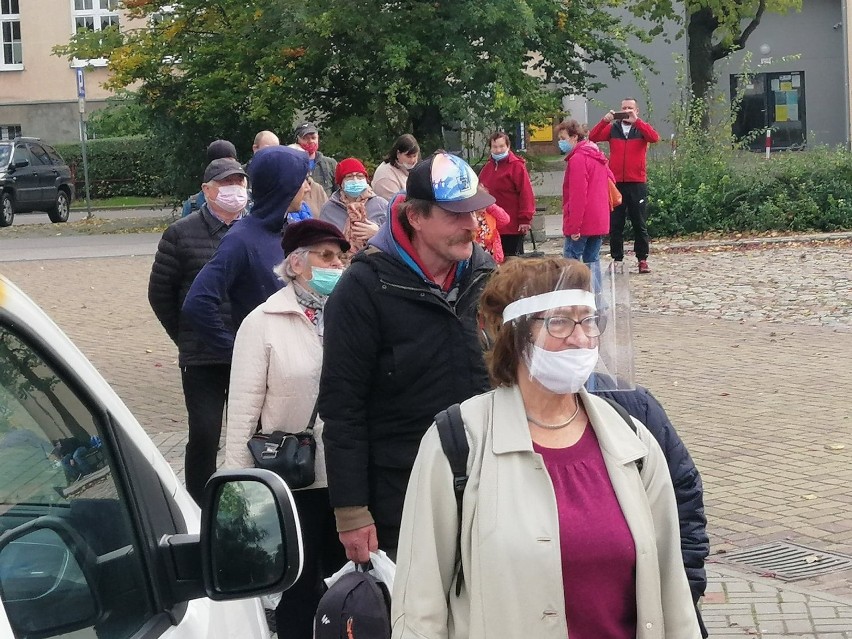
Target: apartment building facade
x,y
38,90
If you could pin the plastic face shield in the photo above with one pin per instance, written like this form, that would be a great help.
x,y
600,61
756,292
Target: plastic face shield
x,y
598,319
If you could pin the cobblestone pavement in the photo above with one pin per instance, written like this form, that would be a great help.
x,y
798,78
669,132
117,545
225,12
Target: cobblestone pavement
x,y
747,349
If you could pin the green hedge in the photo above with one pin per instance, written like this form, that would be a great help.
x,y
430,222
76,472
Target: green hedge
x,y
741,191
118,167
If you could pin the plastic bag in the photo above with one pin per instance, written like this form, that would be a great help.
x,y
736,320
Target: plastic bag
x,y
381,567
270,602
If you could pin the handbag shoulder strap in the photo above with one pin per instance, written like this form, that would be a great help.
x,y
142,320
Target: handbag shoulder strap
x,y
313,420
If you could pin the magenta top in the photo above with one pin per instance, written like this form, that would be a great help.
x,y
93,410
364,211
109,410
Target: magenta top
x,y
598,554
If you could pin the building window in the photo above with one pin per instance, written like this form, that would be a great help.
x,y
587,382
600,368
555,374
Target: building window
x,y
771,100
95,15
11,53
10,131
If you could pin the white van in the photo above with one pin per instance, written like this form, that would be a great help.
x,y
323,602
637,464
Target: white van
x,y
98,538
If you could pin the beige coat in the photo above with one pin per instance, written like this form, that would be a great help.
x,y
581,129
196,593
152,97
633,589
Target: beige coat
x,y
388,180
510,533
274,377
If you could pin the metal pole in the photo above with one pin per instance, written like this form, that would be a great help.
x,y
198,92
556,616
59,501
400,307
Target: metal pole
x,y
768,142
85,165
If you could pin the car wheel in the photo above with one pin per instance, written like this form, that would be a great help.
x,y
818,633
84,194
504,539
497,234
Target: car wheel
x,y
60,210
7,210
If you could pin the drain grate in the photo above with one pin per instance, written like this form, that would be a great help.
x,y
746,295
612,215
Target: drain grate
x,y
789,562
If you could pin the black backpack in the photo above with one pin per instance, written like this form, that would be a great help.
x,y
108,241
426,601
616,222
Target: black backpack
x,y
454,443
357,606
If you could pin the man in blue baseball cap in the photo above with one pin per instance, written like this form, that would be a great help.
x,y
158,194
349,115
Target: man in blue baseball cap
x,y
401,343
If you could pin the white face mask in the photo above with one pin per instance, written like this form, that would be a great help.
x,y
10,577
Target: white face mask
x,y
232,198
561,372
406,166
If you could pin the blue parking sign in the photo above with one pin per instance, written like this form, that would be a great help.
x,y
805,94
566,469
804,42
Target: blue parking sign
x,y
81,83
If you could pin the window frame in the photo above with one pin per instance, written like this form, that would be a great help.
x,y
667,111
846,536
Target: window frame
x,y
10,131
11,19
97,15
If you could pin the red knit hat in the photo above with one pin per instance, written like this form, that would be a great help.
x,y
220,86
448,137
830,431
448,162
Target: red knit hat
x,y
347,166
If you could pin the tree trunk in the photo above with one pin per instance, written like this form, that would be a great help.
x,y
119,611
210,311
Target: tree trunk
x,y
427,126
700,57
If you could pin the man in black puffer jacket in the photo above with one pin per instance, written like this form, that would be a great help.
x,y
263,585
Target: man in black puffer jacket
x,y
689,492
186,246
401,343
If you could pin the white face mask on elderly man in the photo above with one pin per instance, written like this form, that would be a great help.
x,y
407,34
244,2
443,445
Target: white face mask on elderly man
x,y
232,198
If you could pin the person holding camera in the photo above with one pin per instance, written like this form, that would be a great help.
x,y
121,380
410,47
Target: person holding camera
x,y
628,138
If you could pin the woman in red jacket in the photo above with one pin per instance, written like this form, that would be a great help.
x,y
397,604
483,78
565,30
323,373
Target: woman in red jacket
x,y
506,178
585,194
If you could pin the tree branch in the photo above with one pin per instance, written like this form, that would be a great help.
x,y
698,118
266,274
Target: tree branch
x,y
720,52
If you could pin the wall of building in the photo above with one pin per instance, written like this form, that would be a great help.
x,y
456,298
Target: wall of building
x,y
42,98
815,36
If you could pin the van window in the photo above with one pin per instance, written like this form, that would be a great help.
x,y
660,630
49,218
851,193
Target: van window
x,y
56,463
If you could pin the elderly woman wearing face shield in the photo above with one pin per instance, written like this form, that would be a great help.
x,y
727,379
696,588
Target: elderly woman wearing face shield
x,y
274,382
354,208
560,533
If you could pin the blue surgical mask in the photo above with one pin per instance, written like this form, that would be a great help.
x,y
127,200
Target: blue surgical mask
x,y
354,187
565,146
500,156
323,280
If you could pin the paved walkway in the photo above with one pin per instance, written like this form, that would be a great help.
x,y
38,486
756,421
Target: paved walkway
x,y
747,349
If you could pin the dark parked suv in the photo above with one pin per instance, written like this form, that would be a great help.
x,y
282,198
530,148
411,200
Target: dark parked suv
x,y
33,177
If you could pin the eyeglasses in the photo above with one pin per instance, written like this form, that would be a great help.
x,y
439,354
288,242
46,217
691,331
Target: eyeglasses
x,y
562,327
328,255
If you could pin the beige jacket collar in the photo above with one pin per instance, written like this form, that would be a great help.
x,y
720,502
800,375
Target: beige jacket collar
x,y
617,440
283,302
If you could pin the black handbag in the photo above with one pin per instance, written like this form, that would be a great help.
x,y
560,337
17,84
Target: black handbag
x,y
292,456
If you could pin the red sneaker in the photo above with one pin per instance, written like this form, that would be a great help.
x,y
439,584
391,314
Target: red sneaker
x,y
643,266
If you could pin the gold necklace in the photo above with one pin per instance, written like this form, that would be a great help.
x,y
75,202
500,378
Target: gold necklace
x,y
555,426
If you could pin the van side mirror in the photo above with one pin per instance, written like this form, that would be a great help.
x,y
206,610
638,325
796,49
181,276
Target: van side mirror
x,y
45,565
250,539
20,164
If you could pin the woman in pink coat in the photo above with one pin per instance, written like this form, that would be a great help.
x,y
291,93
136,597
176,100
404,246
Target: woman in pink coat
x,y
585,194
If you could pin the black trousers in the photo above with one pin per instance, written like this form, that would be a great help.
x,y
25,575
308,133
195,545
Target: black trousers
x,y
634,204
205,389
323,556
512,244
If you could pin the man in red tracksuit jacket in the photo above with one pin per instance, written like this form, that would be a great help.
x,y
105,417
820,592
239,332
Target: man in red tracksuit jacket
x,y
628,145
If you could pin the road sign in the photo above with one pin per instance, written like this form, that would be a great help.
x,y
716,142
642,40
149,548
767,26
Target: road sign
x,y
81,84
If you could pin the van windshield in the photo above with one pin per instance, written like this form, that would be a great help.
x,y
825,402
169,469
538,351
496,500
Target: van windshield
x,y
5,151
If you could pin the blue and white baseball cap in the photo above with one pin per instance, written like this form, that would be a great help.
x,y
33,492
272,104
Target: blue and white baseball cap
x,y
449,182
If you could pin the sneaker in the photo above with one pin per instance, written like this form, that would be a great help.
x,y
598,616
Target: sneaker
x,y
643,266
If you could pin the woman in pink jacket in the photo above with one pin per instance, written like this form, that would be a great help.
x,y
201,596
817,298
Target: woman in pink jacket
x,y
585,194
506,178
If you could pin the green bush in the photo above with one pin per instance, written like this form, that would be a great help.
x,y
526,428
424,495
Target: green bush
x,y
118,167
731,191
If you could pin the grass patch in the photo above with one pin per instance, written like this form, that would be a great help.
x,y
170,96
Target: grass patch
x,y
94,226
123,201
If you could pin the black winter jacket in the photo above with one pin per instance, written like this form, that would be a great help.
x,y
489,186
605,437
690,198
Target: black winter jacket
x,y
689,491
395,354
186,246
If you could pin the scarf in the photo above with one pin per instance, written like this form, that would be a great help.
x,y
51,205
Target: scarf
x,y
356,211
312,305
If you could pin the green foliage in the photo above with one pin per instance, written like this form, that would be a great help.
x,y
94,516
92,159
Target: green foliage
x,y
123,116
118,166
733,191
367,70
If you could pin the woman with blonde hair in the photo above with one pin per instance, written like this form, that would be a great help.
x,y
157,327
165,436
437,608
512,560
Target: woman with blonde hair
x,y
559,531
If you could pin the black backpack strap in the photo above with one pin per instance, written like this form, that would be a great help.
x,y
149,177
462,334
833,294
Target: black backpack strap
x,y
455,446
626,417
